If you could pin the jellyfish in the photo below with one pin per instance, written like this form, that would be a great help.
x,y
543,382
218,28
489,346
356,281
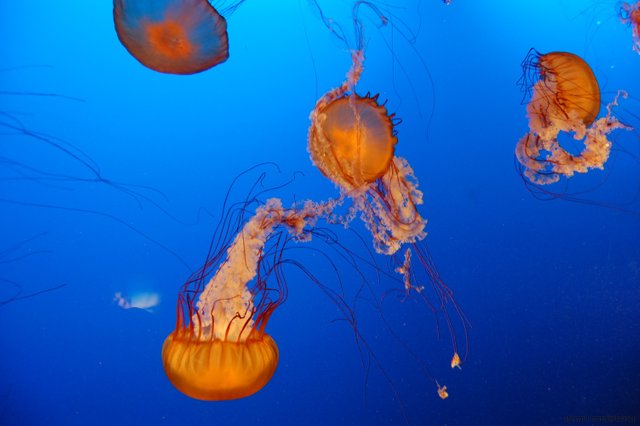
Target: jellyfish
x,y
352,140
565,99
173,36
442,392
630,15
145,301
455,361
219,349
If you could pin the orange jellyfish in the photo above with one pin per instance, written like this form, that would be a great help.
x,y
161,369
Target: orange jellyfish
x,y
352,141
630,15
219,349
173,36
565,98
442,392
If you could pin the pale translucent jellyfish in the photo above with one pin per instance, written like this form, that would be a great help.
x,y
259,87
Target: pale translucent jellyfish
x,y
145,301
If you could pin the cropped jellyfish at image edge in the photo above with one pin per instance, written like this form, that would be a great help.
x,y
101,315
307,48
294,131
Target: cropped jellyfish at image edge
x,y
630,15
173,36
565,97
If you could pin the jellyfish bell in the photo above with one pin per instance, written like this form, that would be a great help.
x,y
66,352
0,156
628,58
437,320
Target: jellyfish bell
x,y
353,142
565,91
172,36
572,80
219,370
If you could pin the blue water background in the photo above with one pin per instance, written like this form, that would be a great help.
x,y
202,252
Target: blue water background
x,y
552,288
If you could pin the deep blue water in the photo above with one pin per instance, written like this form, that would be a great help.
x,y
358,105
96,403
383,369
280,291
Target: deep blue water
x,y
551,288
